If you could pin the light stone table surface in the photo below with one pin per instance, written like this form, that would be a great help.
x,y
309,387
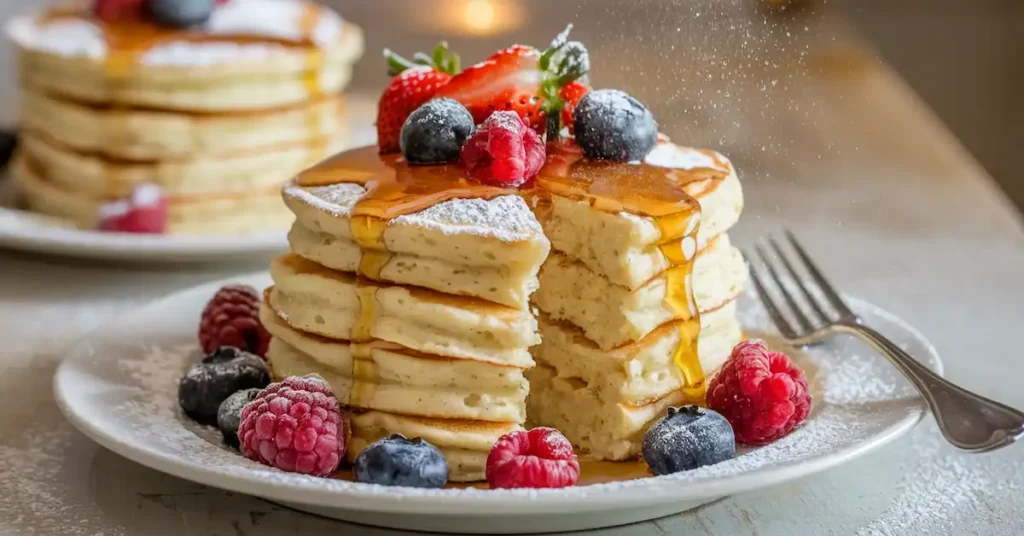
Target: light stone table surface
x,y
896,210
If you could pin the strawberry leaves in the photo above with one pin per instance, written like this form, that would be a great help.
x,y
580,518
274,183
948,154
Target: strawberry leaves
x,y
563,63
440,60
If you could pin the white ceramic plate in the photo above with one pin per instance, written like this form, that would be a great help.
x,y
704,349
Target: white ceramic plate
x,y
120,389
31,232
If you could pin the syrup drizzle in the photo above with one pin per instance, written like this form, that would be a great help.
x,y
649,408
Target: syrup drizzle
x,y
394,188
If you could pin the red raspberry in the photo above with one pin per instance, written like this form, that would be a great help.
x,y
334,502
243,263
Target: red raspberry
x,y
294,425
540,458
119,10
232,318
761,393
503,151
571,95
144,212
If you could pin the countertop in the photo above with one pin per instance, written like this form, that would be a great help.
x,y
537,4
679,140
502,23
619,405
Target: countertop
x,y
875,186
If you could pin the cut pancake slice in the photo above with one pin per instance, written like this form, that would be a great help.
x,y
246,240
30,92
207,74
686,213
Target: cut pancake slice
x,y
464,444
391,378
612,315
638,372
604,401
624,247
486,248
331,304
187,215
509,285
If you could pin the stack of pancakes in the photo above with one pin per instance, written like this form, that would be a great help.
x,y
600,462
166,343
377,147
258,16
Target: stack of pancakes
x,y
605,365
437,345
218,116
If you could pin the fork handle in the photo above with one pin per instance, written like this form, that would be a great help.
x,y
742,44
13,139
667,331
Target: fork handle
x,y
969,421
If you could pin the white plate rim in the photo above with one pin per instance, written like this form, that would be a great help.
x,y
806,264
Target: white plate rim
x,y
26,235
468,502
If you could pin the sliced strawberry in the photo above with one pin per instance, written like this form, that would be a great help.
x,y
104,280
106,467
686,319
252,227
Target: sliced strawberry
x,y
415,83
571,95
507,80
520,79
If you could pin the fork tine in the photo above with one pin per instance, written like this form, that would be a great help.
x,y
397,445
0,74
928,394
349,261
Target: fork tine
x,y
826,287
797,310
780,321
799,283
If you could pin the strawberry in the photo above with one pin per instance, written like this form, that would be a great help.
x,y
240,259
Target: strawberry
x,y
521,79
571,95
414,83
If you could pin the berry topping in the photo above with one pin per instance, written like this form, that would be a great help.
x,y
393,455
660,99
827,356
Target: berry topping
x,y
540,458
397,461
436,132
210,382
503,151
611,125
571,95
180,13
295,425
687,438
232,318
145,212
760,392
519,79
415,82
229,415
119,10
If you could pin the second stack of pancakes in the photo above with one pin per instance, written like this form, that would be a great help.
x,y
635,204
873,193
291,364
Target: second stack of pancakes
x,y
605,367
442,334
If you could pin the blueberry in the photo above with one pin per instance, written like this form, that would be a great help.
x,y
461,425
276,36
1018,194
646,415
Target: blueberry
x,y
219,375
230,412
180,13
611,125
436,132
397,461
687,438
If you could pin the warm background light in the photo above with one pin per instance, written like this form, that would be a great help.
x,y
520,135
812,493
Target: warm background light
x,y
478,17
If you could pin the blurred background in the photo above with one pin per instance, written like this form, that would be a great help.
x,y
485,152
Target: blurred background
x,y
742,76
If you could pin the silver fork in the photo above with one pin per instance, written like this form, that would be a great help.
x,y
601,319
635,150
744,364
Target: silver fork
x,y
967,420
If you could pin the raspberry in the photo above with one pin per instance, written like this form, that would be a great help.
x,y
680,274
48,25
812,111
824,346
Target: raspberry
x,y
232,318
144,212
540,458
294,425
503,151
761,393
119,10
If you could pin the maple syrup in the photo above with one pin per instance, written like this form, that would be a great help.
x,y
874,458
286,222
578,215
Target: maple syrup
x,y
394,188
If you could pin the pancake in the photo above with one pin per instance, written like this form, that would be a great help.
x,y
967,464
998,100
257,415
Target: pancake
x,y
193,75
318,300
611,315
152,134
188,215
395,379
622,247
490,249
96,176
604,401
464,444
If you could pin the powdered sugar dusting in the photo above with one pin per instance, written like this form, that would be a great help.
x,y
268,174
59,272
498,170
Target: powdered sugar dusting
x,y
506,218
279,19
